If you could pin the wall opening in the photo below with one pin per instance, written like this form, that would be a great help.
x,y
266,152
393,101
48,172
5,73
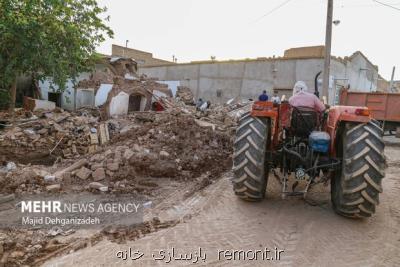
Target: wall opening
x,y
137,103
54,97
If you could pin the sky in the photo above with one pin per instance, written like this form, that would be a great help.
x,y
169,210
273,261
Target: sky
x,y
236,29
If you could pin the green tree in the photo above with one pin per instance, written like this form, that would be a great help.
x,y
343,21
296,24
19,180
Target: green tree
x,y
50,38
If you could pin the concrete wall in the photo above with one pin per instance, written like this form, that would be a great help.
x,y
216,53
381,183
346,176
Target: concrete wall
x,y
362,74
221,81
85,98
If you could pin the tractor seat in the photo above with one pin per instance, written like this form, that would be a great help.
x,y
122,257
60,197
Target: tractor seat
x,y
304,120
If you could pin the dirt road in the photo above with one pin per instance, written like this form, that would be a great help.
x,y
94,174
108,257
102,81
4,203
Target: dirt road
x,y
310,235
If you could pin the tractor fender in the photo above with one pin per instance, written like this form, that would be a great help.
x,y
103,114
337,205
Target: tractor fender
x,y
264,109
338,114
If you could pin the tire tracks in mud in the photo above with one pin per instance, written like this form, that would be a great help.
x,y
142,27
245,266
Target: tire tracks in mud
x,y
215,219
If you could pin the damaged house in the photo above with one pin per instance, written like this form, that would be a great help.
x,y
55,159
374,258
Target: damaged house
x,y
114,87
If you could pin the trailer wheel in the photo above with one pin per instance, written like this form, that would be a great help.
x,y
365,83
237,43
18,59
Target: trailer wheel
x,y
249,166
355,189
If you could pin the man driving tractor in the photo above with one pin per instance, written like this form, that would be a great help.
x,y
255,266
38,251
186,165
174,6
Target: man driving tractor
x,y
302,98
302,149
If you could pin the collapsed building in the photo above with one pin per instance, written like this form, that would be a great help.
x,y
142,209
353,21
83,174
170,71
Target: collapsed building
x,y
114,87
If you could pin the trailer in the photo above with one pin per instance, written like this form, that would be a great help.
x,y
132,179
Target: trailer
x,y
384,107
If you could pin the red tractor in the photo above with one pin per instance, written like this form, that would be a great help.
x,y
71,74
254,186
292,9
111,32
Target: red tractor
x,y
303,148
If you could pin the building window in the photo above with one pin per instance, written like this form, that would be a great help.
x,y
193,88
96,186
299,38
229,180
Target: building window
x,y
54,97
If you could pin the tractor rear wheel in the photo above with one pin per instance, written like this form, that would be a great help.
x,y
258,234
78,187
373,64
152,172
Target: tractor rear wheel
x,y
355,189
249,160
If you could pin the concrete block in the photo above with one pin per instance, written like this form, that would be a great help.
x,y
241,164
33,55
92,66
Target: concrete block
x,y
36,104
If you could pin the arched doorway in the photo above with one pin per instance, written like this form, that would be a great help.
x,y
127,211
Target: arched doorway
x,y
137,102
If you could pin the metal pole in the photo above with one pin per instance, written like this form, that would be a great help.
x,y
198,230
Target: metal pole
x,y
391,80
328,42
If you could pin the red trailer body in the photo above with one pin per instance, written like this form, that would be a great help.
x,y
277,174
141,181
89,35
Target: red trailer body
x,y
384,107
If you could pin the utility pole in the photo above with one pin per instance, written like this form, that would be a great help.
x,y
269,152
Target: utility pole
x,y
328,42
391,80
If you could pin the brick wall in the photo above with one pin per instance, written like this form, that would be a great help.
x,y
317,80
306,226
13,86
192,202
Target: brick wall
x,y
305,52
142,58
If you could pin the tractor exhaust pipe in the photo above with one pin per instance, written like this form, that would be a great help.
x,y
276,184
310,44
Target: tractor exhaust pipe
x,y
316,92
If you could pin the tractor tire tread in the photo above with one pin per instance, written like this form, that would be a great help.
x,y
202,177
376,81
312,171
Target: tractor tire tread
x,y
249,168
355,190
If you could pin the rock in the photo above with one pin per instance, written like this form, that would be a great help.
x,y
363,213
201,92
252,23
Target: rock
x,y
128,154
147,204
108,153
58,128
126,129
43,131
74,166
97,158
117,156
205,124
1,250
83,173
29,132
37,247
99,174
113,166
117,160
121,148
11,166
164,154
49,178
74,150
98,186
40,173
54,231
53,187
67,176
17,254
96,166
137,148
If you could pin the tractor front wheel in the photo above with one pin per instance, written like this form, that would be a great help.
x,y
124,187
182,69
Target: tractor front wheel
x,y
355,189
249,160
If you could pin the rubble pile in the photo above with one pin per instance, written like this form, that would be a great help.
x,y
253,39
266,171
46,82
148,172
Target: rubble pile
x,y
151,144
222,116
131,154
43,137
230,112
32,247
185,94
174,145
